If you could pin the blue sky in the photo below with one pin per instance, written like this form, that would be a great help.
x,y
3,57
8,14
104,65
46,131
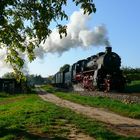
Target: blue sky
x,y
122,20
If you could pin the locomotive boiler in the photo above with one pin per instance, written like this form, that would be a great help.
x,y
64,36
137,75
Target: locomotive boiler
x,y
101,71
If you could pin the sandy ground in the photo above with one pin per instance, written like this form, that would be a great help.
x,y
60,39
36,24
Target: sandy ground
x,y
119,124
76,135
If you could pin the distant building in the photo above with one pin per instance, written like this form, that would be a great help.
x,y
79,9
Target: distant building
x,y
10,86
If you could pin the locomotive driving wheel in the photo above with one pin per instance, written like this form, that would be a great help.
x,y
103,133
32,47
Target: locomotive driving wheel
x,y
88,83
107,83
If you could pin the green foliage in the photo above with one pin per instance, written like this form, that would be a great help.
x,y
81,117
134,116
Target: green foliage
x,y
133,87
130,110
30,79
25,23
131,73
13,75
9,75
49,88
29,117
49,79
64,68
3,95
35,80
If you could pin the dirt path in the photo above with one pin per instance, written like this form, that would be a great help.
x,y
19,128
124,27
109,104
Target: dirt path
x,y
76,135
117,123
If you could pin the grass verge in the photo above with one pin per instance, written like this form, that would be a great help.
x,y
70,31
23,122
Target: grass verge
x,y
31,118
129,110
49,88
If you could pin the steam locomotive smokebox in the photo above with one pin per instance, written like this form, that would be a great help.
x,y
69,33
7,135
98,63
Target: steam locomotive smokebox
x,y
108,49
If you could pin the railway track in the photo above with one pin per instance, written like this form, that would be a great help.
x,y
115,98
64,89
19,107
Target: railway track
x,y
124,96
128,98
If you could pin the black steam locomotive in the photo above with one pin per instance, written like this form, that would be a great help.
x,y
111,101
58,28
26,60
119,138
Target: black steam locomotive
x,y
101,71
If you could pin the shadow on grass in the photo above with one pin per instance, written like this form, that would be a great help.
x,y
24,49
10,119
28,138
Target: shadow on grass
x,y
19,133
4,94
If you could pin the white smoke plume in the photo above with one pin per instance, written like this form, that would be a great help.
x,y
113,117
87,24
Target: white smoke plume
x,y
3,64
7,66
78,35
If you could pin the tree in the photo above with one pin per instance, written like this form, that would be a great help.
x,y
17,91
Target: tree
x,y
35,80
23,26
8,75
64,68
131,74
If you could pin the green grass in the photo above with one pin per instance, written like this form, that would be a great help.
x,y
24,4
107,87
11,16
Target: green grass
x,y
27,117
134,86
49,88
4,95
130,110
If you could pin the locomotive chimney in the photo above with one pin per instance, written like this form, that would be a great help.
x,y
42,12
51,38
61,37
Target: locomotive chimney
x,y
108,49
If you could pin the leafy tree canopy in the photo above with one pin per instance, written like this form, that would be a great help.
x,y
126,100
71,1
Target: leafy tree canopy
x,y
34,79
8,75
64,68
25,23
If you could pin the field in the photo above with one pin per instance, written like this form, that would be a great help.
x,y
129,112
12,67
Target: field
x,y
27,117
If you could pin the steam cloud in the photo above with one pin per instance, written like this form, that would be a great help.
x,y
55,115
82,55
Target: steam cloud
x,y
3,64
78,35
7,66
